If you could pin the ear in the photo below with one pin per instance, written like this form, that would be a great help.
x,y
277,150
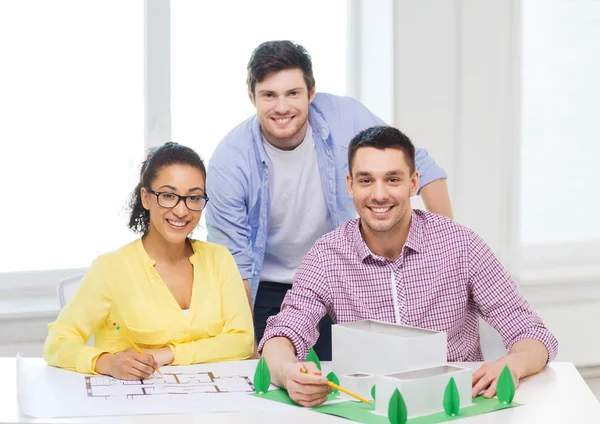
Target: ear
x,y
145,197
311,95
251,97
349,185
414,183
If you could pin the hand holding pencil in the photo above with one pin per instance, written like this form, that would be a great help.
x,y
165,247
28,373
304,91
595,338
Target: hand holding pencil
x,y
341,389
130,364
126,365
306,389
134,344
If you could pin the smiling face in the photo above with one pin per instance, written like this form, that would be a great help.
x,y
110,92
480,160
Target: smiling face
x,y
174,224
381,185
281,102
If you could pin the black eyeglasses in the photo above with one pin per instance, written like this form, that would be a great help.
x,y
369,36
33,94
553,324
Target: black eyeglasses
x,y
170,200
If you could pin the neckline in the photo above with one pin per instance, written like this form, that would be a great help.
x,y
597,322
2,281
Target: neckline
x,y
272,150
194,260
152,262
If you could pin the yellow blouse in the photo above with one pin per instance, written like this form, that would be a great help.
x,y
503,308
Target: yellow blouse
x,y
124,287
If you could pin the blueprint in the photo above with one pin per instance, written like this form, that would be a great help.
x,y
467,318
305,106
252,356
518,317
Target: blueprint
x,y
176,383
48,392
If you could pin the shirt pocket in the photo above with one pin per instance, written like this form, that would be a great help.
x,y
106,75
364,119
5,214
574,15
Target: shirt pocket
x,y
150,337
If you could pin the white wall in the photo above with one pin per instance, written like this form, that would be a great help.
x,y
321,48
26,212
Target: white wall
x,y
457,94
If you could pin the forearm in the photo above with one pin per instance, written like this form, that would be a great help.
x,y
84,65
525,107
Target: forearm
x,y
436,198
530,356
279,352
248,293
103,364
224,347
65,349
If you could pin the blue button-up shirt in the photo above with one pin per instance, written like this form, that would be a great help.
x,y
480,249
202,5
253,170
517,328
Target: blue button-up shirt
x,y
237,215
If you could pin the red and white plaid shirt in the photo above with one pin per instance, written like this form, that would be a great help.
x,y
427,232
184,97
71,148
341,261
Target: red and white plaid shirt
x,y
444,279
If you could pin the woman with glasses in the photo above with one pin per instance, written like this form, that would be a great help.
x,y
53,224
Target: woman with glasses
x,y
181,301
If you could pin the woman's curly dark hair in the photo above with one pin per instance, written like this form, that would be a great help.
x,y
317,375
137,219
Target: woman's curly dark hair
x,y
158,157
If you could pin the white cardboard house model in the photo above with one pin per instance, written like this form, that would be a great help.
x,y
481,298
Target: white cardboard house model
x,y
391,356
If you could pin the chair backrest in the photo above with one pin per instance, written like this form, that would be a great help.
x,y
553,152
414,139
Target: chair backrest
x,y
66,289
492,345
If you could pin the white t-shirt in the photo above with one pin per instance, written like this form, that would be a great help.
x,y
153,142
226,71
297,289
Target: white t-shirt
x,y
298,209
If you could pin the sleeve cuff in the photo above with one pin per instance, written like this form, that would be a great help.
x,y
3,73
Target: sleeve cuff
x,y
299,344
543,336
183,353
432,175
86,360
246,274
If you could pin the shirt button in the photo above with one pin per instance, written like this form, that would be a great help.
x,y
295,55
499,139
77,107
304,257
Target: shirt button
x,y
255,272
261,245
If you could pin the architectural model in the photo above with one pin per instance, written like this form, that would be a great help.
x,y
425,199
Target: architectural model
x,y
389,357
203,382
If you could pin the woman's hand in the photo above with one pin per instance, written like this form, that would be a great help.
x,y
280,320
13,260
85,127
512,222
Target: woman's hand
x,y
126,365
163,356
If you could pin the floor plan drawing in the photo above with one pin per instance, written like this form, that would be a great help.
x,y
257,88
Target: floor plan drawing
x,y
49,392
202,382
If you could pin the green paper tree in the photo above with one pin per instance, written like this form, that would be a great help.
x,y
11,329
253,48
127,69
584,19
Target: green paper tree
x,y
312,357
373,392
334,379
397,413
451,398
506,386
262,377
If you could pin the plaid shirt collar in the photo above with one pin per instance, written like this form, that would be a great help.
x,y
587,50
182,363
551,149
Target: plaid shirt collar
x,y
414,241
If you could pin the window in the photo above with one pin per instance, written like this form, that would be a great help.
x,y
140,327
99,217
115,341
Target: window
x,y
211,42
72,124
73,108
560,131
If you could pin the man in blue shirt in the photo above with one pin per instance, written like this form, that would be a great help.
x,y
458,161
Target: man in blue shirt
x,y
277,181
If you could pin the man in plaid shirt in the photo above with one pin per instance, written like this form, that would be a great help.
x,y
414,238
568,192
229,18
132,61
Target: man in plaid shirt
x,y
405,266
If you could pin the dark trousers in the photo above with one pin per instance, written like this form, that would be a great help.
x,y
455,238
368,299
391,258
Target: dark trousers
x,y
268,302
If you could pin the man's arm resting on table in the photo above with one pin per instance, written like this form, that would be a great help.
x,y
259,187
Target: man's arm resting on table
x,y
526,357
304,389
436,198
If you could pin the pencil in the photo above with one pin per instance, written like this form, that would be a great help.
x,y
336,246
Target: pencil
x,y
341,389
135,346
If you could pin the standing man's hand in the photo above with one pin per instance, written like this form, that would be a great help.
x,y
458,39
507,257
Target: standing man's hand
x,y
249,296
248,293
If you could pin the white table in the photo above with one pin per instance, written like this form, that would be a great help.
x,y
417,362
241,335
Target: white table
x,y
557,394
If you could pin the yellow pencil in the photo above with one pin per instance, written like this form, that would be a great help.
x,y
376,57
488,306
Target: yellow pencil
x,y
135,346
341,389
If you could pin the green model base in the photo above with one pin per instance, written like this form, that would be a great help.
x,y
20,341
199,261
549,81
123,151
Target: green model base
x,y
363,413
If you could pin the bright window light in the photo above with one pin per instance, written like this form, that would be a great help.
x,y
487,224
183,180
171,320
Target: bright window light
x,y
560,131
211,42
72,127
